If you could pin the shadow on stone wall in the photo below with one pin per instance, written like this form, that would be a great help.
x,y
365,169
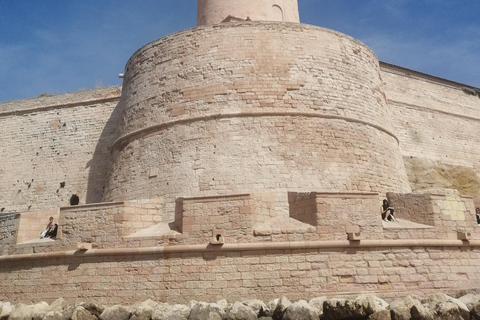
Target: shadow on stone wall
x,y
101,159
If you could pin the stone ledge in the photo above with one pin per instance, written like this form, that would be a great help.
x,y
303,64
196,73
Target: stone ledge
x,y
235,247
214,198
93,206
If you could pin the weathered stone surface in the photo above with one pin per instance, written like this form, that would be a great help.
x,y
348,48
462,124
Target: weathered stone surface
x,y
57,311
80,313
5,310
445,307
58,304
380,315
206,311
364,307
171,312
425,174
476,311
56,315
268,311
239,311
373,303
282,305
401,309
116,312
420,312
34,312
94,308
470,300
318,303
143,311
256,305
301,310
223,304
338,309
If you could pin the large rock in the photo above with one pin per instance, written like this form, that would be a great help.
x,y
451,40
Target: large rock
x,y
144,310
256,305
380,315
171,312
56,315
80,313
470,300
372,303
116,312
58,304
92,307
476,311
401,309
6,309
239,311
282,305
317,303
207,311
223,304
58,310
268,311
445,307
420,312
339,309
33,312
301,310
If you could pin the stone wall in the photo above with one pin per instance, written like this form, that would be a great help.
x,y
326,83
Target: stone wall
x,y
54,147
127,253
438,126
8,231
128,277
333,212
232,217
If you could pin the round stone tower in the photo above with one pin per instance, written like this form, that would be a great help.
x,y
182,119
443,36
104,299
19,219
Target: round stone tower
x,y
253,106
216,11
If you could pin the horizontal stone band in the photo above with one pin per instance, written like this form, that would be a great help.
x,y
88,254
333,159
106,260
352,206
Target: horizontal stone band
x,y
120,142
297,245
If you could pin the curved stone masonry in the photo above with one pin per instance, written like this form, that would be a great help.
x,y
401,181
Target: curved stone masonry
x,y
253,106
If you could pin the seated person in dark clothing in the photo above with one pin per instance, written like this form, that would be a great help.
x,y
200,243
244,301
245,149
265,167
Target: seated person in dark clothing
x,y
387,211
477,213
51,230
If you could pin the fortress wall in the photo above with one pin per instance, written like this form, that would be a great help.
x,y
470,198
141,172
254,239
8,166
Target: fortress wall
x,y
253,106
50,141
255,154
238,275
439,129
9,223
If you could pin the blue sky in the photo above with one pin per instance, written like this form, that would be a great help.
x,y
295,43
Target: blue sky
x,y
59,46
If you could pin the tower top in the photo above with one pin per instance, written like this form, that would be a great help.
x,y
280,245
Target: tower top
x,y
217,11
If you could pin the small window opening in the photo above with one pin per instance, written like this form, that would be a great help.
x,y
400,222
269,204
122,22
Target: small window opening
x,y
74,200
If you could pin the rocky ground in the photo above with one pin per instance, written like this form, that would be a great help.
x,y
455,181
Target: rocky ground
x,y
368,307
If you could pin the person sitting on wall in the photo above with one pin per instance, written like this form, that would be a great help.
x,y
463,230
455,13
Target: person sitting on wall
x,y
51,230
477,213
386,208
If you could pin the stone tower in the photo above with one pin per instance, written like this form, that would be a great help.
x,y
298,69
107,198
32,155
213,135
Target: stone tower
x,y
253,106
216,11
